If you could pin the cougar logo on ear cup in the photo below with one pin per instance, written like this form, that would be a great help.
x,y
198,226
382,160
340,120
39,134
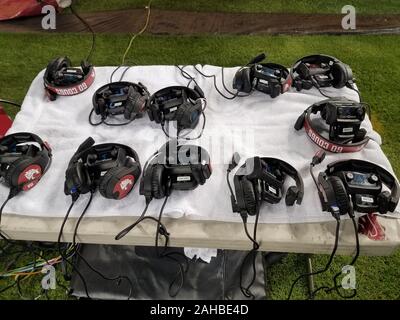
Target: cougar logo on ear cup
x,y
23,174
117,183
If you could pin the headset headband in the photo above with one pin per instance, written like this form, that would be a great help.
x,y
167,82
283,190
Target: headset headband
x,y
118,85
315,58
173,153
290,171
194,94
88,147
257,172
72,89
286,78
317,138
22,137
365,166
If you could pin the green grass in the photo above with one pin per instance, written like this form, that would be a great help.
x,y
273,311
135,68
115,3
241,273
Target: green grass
x,y
292,6
374,60
30,287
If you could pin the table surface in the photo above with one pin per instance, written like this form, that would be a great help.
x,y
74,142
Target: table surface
x,y
299,238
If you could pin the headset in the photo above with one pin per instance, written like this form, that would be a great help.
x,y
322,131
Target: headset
x,y
111,167
175,167
177,103
62,79
356,179
172,167
270,78
321,71
24,159
335,199
120,98
344,118
261,179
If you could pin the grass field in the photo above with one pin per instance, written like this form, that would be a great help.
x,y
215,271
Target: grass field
x,y
292,6
374,60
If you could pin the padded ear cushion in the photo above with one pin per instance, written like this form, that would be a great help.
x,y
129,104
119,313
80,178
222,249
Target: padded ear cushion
x,y
383,201
56,65
117,183
135,105
158,187
247,86
24,173
249,196
339,74
79,176
291,195
85,65
342,200
241,81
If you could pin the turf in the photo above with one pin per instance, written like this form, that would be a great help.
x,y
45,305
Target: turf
x,y
373,59
287,6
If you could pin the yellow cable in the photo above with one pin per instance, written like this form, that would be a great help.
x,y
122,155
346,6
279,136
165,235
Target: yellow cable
x,y
139,33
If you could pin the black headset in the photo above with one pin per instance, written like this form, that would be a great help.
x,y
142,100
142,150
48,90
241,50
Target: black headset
x,y
344,118
174,167
362,180
22,163
113,168
177,103
270,78
62,79
261,179
320,71
120,98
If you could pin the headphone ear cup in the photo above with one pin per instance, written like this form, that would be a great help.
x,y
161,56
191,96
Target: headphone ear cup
x,y
306,84
383,201
291,195
339,74
135,104
158,187
247,86
24,172
81,178
341,197
275,90
117,183
85,65
241,81
360,135
249,196
55,65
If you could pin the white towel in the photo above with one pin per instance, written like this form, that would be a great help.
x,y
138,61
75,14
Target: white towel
x,y
254,125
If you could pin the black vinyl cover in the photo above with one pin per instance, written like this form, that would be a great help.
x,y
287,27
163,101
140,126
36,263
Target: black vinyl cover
x,y
151,276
